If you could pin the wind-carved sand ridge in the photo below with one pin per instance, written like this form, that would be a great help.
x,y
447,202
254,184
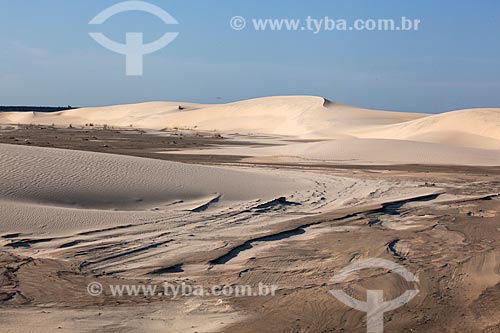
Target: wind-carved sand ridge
x,y
277,205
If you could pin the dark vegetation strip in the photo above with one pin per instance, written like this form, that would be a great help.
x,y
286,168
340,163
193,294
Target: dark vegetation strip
x,y
12,108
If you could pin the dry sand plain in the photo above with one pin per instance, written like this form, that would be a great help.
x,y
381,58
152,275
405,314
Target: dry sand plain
x,y
282,191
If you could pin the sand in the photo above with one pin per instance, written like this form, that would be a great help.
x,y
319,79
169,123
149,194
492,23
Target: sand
x,y
279,190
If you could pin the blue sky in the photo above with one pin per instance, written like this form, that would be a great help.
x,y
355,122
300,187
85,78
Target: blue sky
x,y
452,62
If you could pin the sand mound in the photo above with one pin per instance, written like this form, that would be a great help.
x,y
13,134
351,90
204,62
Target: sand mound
x,y
472,128
100,181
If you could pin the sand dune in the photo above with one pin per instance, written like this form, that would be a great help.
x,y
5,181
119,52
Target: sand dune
x,y
472,128
389,137
102,181
61,189
303,116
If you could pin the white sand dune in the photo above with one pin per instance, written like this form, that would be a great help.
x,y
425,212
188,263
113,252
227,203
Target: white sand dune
x,y
62,189
478,128
388,137
304,116
102,181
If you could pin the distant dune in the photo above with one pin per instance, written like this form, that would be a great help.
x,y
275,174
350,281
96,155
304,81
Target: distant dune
x,y
388,137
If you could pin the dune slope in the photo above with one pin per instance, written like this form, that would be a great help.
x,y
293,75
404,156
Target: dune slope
x,y
102,181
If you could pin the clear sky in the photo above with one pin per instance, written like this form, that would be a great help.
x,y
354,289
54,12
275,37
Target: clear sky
x,y
452,62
